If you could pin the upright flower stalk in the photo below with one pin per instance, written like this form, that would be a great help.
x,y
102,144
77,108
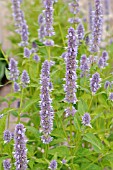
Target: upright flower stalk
x,y
46,113
97,26
20,22
71,77
74,9
20,151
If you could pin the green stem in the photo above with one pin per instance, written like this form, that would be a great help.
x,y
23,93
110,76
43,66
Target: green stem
x,y
61,34
21,100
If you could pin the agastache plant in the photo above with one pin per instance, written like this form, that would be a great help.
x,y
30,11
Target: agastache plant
x,y
71,77
80,32
97,27
20,151
20,22
6,164
46,113
14,72
74,9
95,82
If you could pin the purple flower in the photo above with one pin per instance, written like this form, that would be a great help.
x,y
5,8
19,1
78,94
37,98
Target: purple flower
x,y
74,20
6,164
36,58
25,78
46,113
70,77
63,161
97,26
74,7
94,82
84,65
20,22
86,119
53,165
1,116
20,151
80,32
107,84
70,111
91,16
14,72
105,58
49,43
101,62
7,136
111,96
26,52
48,14
16,87
107,5
41,19
41,32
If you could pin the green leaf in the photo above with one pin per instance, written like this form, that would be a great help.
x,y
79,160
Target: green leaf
x,y
61,151
96,142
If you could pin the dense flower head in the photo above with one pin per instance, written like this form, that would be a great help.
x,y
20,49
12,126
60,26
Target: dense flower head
x,y
86,119
25,78
41,32
41,19
46,113
107,7
105,58
84,65
6,164
20,151
26,52
97,26
70,111
91,16
53,165
101,62
1,116
20,22
48,14
36,58
111,96
74,6
49,42
95,82
16,87
24,34
70,77
107,84
14,72
17,14
7,136
74,20
80,32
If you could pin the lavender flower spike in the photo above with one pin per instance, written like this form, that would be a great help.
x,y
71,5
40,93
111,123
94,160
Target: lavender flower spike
x,y
20,151
86,119
95,82
53,165
25,78
16,87
97,26
7,136
46,113
80,32
6,164
14,72
48,13
70,77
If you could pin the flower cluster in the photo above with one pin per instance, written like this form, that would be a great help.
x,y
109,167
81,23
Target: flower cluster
x,y
102,63
16,87
80,32
74,9
84,65
6,164
7,136
20,22
86,119
41,30
20,151
70,77
97,26
46,113
70,111
95,82
14,72
25,78
53,165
